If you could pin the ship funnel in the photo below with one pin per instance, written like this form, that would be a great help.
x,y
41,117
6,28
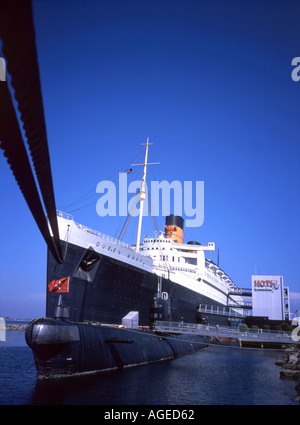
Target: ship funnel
x,y
174,228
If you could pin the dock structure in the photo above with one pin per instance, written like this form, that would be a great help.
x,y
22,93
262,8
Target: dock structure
x,y
231,311
245,337
243,292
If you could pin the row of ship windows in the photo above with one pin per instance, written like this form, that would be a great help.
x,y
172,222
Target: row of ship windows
x,y
159,241
167,258
152,248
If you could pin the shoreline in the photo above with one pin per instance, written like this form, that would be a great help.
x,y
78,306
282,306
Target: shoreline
x,y
290,367
15,327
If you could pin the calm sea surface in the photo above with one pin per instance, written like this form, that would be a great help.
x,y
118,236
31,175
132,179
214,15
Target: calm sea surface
x,y
213,376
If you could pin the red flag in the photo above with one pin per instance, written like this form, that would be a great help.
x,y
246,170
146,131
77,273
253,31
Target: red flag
x,y
60,285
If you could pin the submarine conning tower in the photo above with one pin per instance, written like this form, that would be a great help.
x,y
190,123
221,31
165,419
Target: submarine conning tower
x,y
174,228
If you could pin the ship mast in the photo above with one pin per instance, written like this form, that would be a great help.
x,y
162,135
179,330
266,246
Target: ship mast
x,y
142,195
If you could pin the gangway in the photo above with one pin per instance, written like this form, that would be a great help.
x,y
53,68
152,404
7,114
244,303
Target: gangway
x,y
243,292
240,306
257,337
229,311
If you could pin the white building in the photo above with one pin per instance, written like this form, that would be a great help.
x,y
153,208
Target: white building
x,y
270,298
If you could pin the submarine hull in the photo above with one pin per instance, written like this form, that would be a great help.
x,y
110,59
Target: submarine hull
x,y
62,348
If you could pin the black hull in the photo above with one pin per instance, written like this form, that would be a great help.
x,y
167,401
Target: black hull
x,y
110,289
63,348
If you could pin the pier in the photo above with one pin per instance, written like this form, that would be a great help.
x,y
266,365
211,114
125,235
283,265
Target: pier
x,y
246,337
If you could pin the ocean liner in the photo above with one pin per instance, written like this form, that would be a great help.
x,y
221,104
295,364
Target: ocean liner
x,y
102,282
102,278
94,281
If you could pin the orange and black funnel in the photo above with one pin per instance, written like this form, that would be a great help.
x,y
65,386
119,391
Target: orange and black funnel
x,y
174,228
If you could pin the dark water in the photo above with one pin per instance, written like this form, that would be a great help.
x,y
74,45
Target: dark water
x,y
213,376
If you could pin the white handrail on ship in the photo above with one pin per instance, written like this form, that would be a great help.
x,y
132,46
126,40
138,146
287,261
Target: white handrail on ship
x,y
257,335
94,232
173,268
65,215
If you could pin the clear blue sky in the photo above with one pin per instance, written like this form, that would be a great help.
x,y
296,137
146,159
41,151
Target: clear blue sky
x,y
209,82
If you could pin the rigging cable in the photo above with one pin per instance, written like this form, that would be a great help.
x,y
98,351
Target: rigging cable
x,y
92,193
129,217
18,35
14,150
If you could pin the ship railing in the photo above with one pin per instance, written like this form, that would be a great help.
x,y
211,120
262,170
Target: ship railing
x,y
240,333
65,215
104,236
216,280
94,232
173,268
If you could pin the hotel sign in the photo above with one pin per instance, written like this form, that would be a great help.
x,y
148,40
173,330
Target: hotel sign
x,y
267,296
266,285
